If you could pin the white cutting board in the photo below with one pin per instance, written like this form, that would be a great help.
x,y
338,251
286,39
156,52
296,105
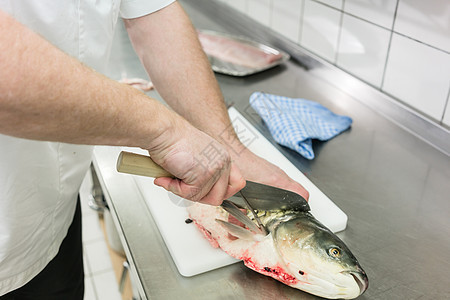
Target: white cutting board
x,y
190,251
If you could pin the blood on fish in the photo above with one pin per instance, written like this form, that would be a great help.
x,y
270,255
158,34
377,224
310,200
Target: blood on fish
x,y
207,235
276,272
263,255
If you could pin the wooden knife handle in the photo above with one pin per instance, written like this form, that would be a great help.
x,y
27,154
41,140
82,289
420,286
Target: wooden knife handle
x,y
138,164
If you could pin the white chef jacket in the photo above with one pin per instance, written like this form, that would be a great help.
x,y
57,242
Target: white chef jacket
x,y
39,181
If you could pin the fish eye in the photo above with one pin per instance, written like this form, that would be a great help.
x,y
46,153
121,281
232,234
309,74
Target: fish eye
x,y
334,252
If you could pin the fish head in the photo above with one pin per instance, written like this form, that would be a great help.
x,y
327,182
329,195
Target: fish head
x,y
319,260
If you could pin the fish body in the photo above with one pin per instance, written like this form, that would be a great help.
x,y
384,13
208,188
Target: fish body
x,y
296,249
236,51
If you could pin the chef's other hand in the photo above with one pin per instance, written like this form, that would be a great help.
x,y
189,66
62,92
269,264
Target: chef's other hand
x,y
202,166
257,169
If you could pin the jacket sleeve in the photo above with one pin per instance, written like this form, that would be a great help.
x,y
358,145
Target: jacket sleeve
x,y
130,9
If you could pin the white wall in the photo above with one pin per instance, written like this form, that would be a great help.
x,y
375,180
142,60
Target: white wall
x,y
401,47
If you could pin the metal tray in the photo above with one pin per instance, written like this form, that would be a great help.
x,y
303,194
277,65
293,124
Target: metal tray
x,y
229,68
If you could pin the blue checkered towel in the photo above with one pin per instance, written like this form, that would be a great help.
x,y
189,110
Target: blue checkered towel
x,y
295,122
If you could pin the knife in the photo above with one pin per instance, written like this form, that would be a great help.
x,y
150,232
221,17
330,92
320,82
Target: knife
x,y
259,196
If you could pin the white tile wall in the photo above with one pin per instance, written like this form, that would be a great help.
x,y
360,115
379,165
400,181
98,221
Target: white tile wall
x,y
286,18
259,10
426,21
380,12
446,119
334,3
356,35
363,49
320,29
418,75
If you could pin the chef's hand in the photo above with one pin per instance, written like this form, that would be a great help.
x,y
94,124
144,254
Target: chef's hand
x,y
201,164
257,169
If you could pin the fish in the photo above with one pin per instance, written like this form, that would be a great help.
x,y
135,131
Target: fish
x,y
290,246
235,51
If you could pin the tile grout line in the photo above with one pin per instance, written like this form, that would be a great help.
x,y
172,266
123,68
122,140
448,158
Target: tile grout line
x,y
94,289
389,48
383,27
111,284
446,107
421,42
338,42
87,265
302,16
94,275
270,13
90,275
99,272
93,240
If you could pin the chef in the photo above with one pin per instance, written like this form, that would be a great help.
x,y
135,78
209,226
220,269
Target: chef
x,y
55,104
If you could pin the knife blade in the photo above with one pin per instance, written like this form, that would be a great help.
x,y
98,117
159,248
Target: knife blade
x,y
259,196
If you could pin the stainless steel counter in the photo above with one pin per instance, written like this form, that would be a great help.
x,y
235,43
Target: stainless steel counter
x,y
394,187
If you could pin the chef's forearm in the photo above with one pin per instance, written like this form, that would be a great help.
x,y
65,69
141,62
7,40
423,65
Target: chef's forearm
x,y
47,95
167,45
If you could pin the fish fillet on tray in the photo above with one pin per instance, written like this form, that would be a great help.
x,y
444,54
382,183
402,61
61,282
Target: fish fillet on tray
x,y
238,56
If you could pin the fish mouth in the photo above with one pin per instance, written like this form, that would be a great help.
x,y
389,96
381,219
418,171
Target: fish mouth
x,y
361,279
